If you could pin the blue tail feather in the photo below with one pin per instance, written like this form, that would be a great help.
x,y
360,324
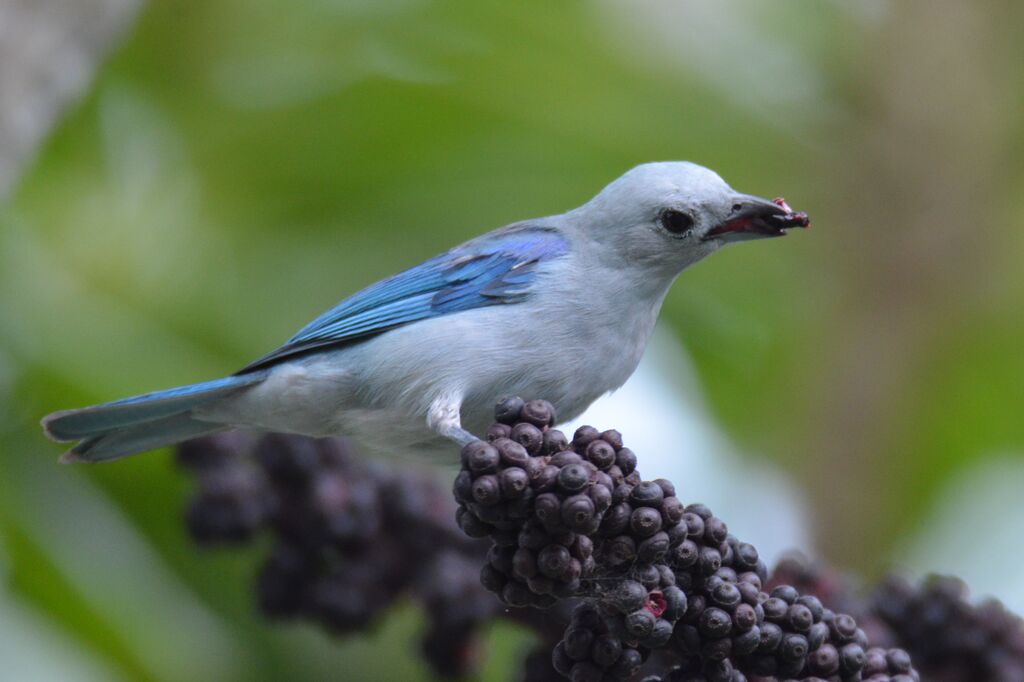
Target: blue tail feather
x,y
139,438
99,420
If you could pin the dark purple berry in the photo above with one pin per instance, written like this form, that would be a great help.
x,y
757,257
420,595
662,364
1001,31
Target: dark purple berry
x,y
675,603
511,453
653,548
625,459
694,525
560,660
492,579
793,647
540,584
775,610
529,437
289,461
771,638
823,661
470,524
486,490
725,595
463,487
620,550
749,592
613,438
501,558
578,642
555,441
601,496
714,623
546,479
800,617
573,477
686,554
553,560
659,635
899,661
629,595
814,604
843,628
583,437
648,575
508,410
746,642
548,508
817,635
496,431
524,563
578,512
628,664
700,510
639,623
645,521
746,556
513,483
540,413
715,530
667,488
600,454
710,560
717,649
671,510
616,519
480,457
851,659
606,650
516,594
647,494
786,593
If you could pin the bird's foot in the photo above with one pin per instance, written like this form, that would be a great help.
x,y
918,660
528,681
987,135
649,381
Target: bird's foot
x,y
444,418
459,435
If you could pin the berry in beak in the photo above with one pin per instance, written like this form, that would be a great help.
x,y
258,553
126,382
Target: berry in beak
x,y
757,218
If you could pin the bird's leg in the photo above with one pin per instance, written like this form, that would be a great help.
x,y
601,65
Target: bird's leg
x,y
444,419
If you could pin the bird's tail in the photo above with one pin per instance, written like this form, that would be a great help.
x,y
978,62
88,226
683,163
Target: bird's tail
x,y
143,422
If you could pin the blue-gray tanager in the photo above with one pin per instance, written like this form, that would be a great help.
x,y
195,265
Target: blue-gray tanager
x,y
559,308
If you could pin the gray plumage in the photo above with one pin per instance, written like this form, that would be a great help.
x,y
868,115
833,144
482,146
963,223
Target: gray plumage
x,y
560,308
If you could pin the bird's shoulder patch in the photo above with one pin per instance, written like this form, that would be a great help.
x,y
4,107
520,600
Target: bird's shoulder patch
x,y
496,268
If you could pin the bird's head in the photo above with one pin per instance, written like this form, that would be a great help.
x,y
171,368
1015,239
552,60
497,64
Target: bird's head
x,y
666,216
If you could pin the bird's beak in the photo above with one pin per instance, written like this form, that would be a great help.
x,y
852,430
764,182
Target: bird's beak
x,y
755,218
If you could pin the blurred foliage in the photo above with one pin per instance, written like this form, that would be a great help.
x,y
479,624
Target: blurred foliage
x,y
238,167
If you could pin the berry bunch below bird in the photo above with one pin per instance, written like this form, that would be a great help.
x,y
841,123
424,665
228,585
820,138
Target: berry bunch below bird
x,y
619,578
949,637
344,531
572,518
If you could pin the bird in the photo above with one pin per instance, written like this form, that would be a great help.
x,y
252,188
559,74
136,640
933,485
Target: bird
x,y
559,308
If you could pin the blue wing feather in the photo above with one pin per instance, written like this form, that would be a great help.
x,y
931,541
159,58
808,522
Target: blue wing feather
x,y
494,269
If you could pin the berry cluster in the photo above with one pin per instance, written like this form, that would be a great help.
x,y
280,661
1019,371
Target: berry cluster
x,y
835,589
541,500
574,519
233,499
951,639
633,583
344,533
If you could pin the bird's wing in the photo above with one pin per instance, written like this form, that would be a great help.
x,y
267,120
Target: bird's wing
x,y
493,269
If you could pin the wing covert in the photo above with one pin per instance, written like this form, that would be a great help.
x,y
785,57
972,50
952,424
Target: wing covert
x,y
494,269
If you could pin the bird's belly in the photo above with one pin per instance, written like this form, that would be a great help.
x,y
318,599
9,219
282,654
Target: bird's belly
x,y
380,391
479,357
570,394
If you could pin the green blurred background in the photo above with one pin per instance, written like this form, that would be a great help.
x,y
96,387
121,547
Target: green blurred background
x,y
234,168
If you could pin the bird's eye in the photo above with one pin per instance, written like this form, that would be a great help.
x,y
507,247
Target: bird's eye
x,y
676,222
